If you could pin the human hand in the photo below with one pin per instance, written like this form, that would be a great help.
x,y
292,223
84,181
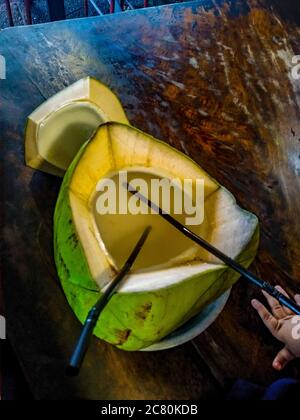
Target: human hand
x,y
282,323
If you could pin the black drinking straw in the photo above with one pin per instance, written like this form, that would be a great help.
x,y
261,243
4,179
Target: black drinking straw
x,y
93,315
267,287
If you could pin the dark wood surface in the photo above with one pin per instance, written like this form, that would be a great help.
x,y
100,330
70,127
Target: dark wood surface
x,y
213,80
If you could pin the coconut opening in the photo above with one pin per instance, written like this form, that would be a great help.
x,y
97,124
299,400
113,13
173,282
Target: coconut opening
x,y
106,241
119,233
61,135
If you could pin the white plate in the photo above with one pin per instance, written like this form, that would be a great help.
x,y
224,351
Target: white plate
x,y
194,327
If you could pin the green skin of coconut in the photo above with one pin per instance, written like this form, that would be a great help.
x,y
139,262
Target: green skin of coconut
x,y
132,321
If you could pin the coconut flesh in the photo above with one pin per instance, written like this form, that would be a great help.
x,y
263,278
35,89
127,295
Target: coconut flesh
x,y
173,279
166,247
58,128
118,233
62,133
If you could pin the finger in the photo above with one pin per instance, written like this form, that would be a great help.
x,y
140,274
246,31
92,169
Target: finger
x,y
283,358
276,308
268,319
297,299
281,290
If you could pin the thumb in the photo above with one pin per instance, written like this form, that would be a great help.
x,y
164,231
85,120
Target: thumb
x,y
283,358
297,299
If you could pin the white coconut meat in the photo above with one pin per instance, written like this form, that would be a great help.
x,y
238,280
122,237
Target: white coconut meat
x,y
62,133
57,129
168,257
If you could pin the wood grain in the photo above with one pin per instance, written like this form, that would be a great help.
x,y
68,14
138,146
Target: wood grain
x,y
212,79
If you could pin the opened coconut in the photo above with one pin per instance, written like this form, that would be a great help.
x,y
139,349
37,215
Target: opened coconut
x,y
173,279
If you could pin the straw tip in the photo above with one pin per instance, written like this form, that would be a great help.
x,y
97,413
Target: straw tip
x,y
72,371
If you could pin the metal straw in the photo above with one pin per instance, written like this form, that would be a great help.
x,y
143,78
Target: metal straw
x,y
93,315
246,274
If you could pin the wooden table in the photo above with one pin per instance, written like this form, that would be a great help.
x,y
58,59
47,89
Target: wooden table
x,y
212,80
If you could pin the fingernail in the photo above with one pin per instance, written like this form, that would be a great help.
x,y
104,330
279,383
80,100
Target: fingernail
x,y
277,366
254,303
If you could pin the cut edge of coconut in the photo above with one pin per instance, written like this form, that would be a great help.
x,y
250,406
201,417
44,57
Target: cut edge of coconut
x,y
87,90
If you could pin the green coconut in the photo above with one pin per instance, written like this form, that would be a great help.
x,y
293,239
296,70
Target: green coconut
x,y
173,279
